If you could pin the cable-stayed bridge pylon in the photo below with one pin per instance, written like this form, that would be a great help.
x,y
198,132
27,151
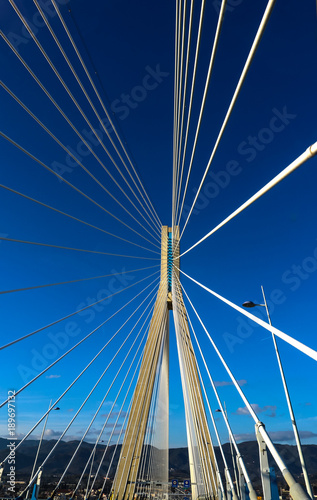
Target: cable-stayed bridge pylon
x,y
53,96
203,470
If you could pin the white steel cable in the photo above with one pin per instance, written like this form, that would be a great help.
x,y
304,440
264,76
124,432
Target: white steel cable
x,y
18,146
105,423
110,387
183,104
180,94
200,431
118,417
106,112
126,376
75,158
42,50
146,468
74,381
201,17
259,425
89,475
61,145
290,406
39,446
219,482
243,75
252,492
210,69
40,10
76,312
206,437
193,462
309,153
287,338
148,436
116,446
147,447
116,423
74,218
190,400
100,405
88,396
148,395
148,440
188,429
138,406
211,416
36,243
204,481
71,349
73,281
189,396
253,495
176,86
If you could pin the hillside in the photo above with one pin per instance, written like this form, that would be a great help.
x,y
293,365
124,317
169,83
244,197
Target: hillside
x,y
178,458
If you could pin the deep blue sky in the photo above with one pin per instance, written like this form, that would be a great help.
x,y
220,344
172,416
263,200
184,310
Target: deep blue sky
x,y
122,43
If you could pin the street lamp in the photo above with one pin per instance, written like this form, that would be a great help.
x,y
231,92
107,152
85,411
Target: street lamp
x,y
249,303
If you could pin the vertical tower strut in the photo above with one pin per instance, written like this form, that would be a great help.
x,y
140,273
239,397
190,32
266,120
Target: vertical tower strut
x,y
129,462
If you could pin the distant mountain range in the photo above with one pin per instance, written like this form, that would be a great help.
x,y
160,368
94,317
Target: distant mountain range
x,y
178,458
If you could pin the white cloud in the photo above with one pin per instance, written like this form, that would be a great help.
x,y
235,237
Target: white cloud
x,y
276,436
50,433
289,435
268,408
114,414
223,383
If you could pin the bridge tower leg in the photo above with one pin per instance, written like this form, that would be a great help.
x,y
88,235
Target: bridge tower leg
x,y
196,420
129,461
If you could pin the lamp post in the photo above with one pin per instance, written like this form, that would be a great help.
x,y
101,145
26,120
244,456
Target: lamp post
x,y
288,399
40,443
